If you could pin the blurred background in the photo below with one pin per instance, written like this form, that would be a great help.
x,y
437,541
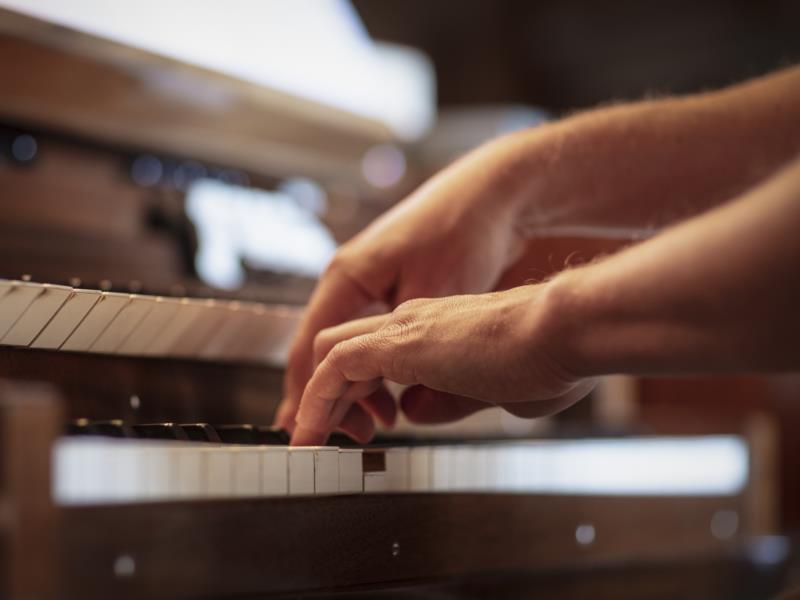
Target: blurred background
x,y
200,148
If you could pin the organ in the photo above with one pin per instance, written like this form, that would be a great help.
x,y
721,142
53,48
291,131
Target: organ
x,y
137,458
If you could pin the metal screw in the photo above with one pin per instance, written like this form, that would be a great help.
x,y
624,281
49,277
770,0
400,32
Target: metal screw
x,y
124,566
724,524
395,549
585,534
135,402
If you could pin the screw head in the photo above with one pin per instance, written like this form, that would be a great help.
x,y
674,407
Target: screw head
x,y
124,566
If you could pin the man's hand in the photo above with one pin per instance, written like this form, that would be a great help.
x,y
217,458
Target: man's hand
x,y
597,173
455,235
459,354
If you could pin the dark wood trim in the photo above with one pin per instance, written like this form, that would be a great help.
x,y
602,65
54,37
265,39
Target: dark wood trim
x,y
279,545
100,386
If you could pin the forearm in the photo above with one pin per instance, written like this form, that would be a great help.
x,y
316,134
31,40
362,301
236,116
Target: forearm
x,y
632,169
717,293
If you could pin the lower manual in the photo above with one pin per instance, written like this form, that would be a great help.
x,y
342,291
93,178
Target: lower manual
x,y
101,470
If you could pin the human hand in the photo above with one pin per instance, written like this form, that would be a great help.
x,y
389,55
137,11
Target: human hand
x,y
454,235
459,354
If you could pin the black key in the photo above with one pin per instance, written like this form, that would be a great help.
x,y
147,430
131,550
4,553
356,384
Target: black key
x,y
272,436
160,431
113,428
237,434
342,440
78,427
252,434
374,459
200,432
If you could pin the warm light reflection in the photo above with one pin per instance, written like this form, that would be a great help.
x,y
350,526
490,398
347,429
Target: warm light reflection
x,y
316,49
267,230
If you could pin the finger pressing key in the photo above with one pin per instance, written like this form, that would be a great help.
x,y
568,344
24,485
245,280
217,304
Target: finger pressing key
x,y
325,400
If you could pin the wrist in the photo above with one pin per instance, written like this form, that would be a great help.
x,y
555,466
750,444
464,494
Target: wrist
x,y
571,313
514,165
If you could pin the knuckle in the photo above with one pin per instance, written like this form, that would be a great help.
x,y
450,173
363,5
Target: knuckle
x,y
338,354
321,343
346,352
409,306
398,350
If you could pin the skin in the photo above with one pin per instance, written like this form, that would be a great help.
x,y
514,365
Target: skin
x,y
697,297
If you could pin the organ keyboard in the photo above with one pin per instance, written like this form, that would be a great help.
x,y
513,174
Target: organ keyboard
x,y
58,317
94,469
166,509
122,470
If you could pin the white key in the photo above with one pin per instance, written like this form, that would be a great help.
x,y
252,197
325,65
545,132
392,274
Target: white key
x,y
522,474
441,469
301,471
189,476
219,471
5,286
18,297
503,464
274,470
397,469
233,324
37,315
194,338
351,471
159,470
277,326
154,322
374,482
246,471
123,325
481,471
97,319
241,343
326,470
419,463
462,466
78,468
75,308
127,471
188,312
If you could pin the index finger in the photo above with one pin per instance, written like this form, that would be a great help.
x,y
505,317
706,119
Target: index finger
x,y
325,400
337,298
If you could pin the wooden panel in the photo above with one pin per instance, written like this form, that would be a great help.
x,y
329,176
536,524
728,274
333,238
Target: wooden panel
x,y
62,79
100,387
54,257
73,188
247,547
30,420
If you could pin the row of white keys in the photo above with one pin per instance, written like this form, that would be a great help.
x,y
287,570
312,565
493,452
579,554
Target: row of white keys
x,y
154,323
55,317
712,465
123,324
397,469
34,305
100,316
351,471
464,468
75,308
90,470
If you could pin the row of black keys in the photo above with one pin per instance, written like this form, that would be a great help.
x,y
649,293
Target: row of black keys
x,y
204,432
